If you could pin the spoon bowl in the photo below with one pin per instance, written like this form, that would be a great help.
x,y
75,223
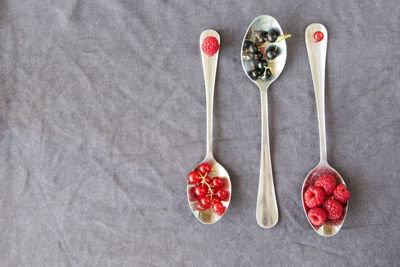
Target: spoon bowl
x,y
267,208
330,227
266,23
316,37
208,216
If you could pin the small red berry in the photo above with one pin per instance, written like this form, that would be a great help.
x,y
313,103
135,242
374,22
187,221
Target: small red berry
x,y
208,181
204,168
194,177
318,36
317,216
205,202
210,45
219,208
217,182
222,194
334,209
314,196
341,193
327,182
200,190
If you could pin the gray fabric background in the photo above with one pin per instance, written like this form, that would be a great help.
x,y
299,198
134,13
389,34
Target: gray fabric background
x,y
102,115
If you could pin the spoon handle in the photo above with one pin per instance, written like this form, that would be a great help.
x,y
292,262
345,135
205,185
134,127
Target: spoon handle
x,y
267,207
209,71
316,49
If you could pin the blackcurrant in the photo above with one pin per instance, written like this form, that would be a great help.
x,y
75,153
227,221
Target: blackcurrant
x,y
261,36
272,52
258,55
268,73
272,36
254,74
253,48
247,43
261,65
254,63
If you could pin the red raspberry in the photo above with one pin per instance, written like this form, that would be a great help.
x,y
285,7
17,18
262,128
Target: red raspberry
x,y
334,209
317,216
314,197
341,193
210,45
327,182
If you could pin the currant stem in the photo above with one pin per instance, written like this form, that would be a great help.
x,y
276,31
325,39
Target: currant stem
x,y
285,36
204,181
265,72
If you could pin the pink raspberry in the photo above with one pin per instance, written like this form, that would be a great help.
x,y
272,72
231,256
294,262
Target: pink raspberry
x,y
317,216
341,193
327,182
314,196
210,45
334,208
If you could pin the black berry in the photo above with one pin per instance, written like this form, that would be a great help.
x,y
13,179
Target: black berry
x,y
254,74
261,36
253,48
272,52
261,65
272,36
247,43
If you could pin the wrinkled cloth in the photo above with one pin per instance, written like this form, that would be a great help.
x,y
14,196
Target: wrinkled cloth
x,y
102,115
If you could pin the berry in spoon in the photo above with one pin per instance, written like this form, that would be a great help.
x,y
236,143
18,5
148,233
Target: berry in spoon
x,y
334,209
272,52
200,190
327,182
204,168
194,177
210,46
217,182
261,36
205,202
314,196
253,48
317,216
341,193
272,36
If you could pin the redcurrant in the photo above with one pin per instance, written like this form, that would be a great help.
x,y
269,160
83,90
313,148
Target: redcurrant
x,y
318,36
204,168
217,182
218,207
194,177
205,202
222,194
207,179
200,190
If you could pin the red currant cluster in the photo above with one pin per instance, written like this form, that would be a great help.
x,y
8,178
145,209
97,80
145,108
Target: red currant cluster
x,y
207,192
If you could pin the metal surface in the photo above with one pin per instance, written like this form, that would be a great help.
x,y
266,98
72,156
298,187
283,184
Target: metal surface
x,y
317,58
210,70
267,208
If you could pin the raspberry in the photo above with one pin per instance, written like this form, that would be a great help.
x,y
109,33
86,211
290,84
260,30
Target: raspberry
x,y
341,193
327,182
210,45
314,196
317,216
334,209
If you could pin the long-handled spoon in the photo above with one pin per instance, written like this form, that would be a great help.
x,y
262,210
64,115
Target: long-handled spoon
x,y
208,216
267,208
316,41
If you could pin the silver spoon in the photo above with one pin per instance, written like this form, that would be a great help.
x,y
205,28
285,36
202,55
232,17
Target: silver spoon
x,y
210,70
267,208
317,57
